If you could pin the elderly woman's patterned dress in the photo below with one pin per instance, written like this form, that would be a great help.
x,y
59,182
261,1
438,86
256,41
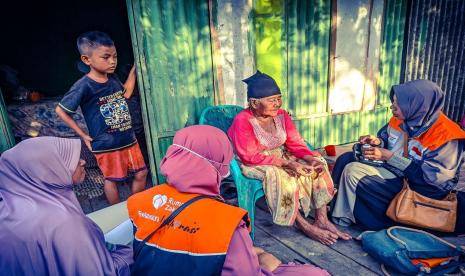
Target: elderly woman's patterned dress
x,y
260,154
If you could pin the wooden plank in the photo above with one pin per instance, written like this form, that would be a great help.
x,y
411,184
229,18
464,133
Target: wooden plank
x,y
279,250
7,140
344,258
354,251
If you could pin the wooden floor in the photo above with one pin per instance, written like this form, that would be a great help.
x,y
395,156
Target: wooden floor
x,y
290,245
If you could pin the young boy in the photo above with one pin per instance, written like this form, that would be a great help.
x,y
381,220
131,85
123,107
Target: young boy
x,y
102,98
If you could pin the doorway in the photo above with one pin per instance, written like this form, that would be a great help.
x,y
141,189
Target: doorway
x,y
38,65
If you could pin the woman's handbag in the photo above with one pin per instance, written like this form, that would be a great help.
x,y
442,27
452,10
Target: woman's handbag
x,y
411,208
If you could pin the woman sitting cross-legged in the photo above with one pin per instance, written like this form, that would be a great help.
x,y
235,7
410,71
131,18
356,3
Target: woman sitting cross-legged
x,y
271,149
208,237
435,152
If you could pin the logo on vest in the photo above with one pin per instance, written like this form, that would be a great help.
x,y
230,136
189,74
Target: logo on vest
x,y
417,151
159,200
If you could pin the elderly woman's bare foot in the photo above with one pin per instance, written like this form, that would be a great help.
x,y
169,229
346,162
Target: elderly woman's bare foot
x,y
324,236
327,225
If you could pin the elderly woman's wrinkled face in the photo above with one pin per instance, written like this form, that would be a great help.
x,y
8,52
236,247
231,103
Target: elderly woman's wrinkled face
x,y
396,112
268,106
80,172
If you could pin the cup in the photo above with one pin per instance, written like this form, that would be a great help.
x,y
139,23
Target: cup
x,y
330,150
364,148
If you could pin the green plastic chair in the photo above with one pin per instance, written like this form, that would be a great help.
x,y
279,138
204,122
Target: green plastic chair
x,y
248,190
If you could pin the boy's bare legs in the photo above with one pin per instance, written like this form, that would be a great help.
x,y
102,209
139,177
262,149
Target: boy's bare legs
x,y
139,181
111,191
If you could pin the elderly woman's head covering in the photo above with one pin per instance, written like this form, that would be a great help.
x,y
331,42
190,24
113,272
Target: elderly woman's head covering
x,y
261,85
198,159
42,225
420,101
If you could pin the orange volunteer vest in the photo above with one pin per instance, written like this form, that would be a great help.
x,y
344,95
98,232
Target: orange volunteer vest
x,y
194,243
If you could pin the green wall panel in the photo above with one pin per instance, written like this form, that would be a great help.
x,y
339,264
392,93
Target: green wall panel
x,y
391,48
173,51
293,45
6,135
308,29
171,41
163,144
270,40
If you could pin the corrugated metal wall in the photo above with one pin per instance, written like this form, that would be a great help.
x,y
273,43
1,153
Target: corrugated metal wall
x,y
171,41
6,136
395,13
436,51
308,29
177,74
293,46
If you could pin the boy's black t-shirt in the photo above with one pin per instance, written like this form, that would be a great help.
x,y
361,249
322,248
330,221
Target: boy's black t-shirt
x,y
105,110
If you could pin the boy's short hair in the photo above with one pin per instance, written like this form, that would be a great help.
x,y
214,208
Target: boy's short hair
x,y
89,41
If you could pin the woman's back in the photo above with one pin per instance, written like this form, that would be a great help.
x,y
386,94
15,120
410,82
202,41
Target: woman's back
x,y
43,229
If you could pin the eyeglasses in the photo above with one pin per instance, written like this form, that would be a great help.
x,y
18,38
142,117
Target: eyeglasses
x,y
277,100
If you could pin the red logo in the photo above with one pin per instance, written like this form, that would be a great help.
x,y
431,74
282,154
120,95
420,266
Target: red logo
x,y
416,150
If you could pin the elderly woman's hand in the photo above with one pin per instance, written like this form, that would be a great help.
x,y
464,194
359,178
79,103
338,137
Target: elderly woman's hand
x,y
315,162
376,153
295,168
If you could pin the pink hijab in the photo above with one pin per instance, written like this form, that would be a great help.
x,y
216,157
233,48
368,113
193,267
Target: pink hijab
x,y
198,159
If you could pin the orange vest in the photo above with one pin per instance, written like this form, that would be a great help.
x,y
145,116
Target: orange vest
x,y
195,241
441,132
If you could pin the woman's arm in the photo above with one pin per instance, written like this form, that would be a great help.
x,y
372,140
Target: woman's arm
x,y
85,253
437,167
247,146
241,258
295,144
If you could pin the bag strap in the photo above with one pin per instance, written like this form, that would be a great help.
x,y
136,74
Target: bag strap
x,y
405,153
168,220
392,236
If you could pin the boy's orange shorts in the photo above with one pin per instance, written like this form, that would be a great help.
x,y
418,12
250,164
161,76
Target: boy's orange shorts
x,y
116,164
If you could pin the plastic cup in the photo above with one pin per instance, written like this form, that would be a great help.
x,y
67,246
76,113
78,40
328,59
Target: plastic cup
x,y
330,150
364,148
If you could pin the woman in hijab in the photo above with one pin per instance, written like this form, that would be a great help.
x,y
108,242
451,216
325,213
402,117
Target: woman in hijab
x,y
208,237
435,153
43,230
271,149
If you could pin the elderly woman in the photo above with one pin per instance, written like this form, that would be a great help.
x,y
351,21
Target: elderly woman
x,y
271,149
435,153
208,237
43,230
